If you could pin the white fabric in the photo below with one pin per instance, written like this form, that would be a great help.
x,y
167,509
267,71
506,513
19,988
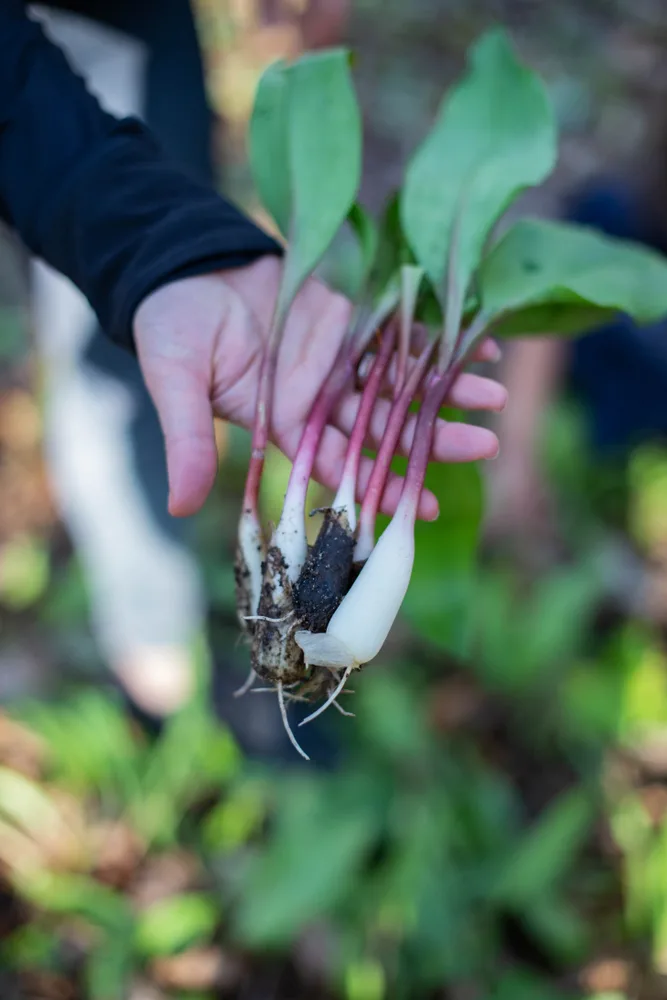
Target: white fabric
x,y
144,586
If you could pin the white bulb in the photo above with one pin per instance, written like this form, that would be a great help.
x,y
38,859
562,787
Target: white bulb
x,y
251,544
360,626
290,538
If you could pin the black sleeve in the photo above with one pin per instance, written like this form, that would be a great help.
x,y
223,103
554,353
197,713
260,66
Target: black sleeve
x,y
93,195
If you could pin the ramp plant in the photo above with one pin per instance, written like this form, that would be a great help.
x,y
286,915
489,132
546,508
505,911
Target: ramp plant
x,y
315,615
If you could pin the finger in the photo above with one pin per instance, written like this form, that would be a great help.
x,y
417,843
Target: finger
x,y
471,392
487,352
474,392
456,442
329,467
181,397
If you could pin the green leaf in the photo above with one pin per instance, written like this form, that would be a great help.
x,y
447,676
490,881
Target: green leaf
x,y
25,803
495,135
268,142
546,852
30,947
78,895
176,923
393,250
24,572
323,831
568,320
368,237
520,984
560,929
324,141
365,980
411,279
349,261
109,968
548,277
391,718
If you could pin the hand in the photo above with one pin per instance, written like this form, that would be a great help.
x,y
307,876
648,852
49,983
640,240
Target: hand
x,y
199,342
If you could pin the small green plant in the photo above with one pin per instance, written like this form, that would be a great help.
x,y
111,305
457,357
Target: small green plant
x,y
108,815
314,615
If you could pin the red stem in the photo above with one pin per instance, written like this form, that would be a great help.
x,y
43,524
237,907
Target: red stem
x,y
403,352
420,452
260,430
399,411
366,407
341,374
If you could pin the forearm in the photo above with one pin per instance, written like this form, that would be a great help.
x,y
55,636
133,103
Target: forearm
x,y
94,196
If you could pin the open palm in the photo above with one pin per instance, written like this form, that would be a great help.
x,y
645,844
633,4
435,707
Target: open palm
x,y
200,342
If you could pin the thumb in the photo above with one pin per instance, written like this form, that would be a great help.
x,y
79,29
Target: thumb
x,y
181,396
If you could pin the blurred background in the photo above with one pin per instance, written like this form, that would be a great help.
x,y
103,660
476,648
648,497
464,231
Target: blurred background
x,y
493,823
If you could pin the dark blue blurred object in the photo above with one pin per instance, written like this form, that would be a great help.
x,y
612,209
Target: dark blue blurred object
x,y
620,371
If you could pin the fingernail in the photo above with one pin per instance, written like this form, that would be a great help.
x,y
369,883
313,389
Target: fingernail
x,y
496,352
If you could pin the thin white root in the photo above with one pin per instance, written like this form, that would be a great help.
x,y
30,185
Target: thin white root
x,y
339,708
330,700
248,683
272,690
289,698
283,713
263,618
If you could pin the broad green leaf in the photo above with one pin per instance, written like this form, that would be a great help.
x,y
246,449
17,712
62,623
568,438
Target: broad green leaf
x,y
176,923
546,852
495,135
393,250
566,319
411,279
268,142
79,895
368,237
324,141
323,832
559,928
109,968
349,261
551,276
91,746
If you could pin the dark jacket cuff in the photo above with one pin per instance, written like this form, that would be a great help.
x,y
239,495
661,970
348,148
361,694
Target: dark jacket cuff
x,y
127,222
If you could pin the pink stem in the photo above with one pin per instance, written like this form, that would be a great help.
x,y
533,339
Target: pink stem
x,y
260,430
348,481
340,376
420,452
403,352
378,480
